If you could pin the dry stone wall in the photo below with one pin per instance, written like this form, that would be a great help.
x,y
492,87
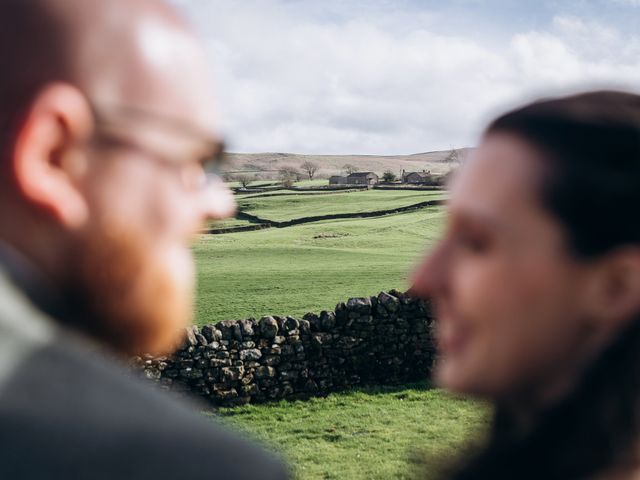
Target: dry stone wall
x,y
384,339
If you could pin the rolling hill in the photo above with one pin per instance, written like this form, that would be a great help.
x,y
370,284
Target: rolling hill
x,y
332,164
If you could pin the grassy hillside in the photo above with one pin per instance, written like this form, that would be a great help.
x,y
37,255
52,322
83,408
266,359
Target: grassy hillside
x,y
309,267
289,207
332,164
372,433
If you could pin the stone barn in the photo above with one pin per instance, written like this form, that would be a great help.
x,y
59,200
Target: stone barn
x,y
338,180
417,178
362,178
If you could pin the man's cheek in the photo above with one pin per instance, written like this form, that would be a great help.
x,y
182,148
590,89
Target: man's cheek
x,y
180,265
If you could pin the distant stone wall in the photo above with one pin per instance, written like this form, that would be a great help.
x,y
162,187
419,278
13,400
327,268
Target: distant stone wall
x,y
373,340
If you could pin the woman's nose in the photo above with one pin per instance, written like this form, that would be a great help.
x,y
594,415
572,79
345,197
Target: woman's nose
x,y
429,276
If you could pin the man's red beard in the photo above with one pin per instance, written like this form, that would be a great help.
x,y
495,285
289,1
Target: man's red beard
x,y
126,291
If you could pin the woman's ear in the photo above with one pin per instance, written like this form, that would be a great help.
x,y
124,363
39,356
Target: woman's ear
x,y
615,295
45,164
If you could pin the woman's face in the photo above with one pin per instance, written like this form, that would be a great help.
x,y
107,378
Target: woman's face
x,y
508,295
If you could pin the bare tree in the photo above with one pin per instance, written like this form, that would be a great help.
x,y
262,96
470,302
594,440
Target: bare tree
x,y
389,176
288,175
454,156
349,169
244,179
310,167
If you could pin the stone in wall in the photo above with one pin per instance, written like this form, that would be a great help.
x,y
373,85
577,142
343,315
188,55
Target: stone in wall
x,y
382,340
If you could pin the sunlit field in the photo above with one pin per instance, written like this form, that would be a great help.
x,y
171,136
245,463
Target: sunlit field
x,y
376,433
309,267
373,433
289,207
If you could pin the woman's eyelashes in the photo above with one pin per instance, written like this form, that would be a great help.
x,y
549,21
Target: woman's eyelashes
x,y
469,240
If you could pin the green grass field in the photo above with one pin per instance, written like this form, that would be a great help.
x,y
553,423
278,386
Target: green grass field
x,y
316,182
289,207
376,433
309,267
230,222
270,183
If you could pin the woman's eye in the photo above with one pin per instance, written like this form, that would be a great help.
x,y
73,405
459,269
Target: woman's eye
x,y
473,243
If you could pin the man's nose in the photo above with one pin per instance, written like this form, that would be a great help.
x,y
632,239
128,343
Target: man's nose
x,y
217,201
430,274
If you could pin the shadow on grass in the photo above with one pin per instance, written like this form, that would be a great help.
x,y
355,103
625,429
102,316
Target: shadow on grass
x,y
420,386
405,391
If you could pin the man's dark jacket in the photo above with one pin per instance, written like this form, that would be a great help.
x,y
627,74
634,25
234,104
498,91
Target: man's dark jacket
x,y
65,412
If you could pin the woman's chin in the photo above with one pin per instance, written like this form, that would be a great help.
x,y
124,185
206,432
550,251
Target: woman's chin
x,y
451,374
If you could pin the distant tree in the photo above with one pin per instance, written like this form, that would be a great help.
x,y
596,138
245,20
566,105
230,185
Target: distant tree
x,y
349,169
310,167
454,156
389,176
244,179
288,176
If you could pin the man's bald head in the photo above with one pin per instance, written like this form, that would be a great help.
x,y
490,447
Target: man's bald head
x,y
104,47
33,44
107,116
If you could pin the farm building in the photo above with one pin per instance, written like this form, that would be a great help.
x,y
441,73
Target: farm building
x,y
338,180
362,178
417,178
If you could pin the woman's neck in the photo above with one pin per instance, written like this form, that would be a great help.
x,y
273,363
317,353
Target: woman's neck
x,y
526,405
593,420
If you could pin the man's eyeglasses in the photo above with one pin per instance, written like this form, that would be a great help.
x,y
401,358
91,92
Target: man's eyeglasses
x,y
196,172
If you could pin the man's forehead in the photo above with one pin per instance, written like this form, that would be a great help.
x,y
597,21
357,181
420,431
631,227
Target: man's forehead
x,y
177,60
159,67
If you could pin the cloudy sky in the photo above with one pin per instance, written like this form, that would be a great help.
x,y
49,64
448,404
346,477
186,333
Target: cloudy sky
x,y
402,76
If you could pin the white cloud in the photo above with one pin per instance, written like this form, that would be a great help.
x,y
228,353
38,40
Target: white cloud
x,y
632,3
291,80
575,52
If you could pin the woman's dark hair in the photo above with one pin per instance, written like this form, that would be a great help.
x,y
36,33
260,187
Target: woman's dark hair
x,y
591,149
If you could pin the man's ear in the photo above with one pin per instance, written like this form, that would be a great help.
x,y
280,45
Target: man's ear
x,y
616,286
46,165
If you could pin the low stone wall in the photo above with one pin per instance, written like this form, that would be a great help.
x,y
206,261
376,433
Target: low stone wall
x,y
409,186
337,216
373,340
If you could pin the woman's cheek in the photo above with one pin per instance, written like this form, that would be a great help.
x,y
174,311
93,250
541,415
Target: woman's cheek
x,y
480,292
485,298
